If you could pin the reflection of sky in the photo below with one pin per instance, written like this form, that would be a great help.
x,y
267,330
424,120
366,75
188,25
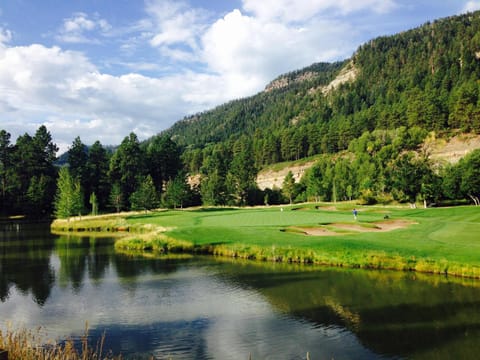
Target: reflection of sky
x,y
189,313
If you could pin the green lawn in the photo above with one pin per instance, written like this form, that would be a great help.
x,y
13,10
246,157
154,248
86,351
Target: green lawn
x,y
443,240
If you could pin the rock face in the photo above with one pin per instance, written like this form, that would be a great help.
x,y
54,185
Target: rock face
x,y
274,179
284,81
348,74
441,150
455,148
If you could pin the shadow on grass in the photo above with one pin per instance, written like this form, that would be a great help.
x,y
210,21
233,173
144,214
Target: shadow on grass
x,y
215,209
152,214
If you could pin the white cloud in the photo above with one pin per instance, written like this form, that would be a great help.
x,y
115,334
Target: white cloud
x,y
66,92
471,6
301,10
176,24
5,35
75,29
245,50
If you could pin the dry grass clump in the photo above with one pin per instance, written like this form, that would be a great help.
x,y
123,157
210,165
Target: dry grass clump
x,y
23,344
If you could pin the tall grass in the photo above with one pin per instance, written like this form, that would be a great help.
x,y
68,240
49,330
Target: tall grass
x,y
23,344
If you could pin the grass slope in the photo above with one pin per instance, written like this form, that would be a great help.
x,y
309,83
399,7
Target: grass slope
x,y
445,240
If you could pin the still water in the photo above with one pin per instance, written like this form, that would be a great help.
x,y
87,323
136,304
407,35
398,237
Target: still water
x,y
206,308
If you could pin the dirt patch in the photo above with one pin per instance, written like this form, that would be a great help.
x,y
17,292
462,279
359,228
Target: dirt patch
x,y
382,226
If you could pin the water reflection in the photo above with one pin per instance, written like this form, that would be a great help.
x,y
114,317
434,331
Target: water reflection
x,y
391,313
25,264
217,309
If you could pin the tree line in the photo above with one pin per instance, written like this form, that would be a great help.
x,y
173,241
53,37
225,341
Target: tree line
x,y
379,167
134,176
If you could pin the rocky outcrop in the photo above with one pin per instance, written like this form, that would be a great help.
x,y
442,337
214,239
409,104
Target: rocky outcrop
x,y
284,81
274,178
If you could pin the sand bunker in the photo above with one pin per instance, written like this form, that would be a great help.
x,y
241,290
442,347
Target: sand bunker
x,y
382,226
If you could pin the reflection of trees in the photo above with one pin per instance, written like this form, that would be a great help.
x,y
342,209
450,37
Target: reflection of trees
x,y
130,266
391,313
98,260
79,255
25,251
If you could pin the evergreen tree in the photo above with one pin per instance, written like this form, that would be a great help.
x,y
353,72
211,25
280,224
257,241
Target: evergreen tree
x,y
163,160
116,197
77,161
6,167
288,186
145,197
97,174
177,192
127,165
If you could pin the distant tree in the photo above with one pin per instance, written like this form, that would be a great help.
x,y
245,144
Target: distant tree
x,y
97,173
35,156
288,186
145,197
177,192
94,203
213,189
451,177
411,174
127,165
116,197
242,170
6,165
77,160
164,161
470,183
37,196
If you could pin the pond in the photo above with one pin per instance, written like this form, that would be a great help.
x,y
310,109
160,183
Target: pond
x,y
184,307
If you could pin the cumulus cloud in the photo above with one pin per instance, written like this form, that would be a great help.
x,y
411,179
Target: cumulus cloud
x,y
246,50
66,92
76,29
471,6
300,10
176,28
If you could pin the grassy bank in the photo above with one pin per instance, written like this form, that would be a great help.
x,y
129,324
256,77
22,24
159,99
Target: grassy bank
x,y
443,241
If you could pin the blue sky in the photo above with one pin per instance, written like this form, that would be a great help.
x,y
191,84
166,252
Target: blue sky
x,y
100,69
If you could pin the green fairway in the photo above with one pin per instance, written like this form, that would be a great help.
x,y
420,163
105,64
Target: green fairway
x,y
443,240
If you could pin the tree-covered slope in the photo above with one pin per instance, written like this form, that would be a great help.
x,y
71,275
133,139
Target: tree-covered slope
x,y
425,77
283,99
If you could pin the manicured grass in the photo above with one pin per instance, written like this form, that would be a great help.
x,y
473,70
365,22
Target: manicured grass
x,y
444,240
437,240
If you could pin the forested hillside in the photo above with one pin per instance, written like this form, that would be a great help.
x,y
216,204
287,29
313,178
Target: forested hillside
x,y
400,89
425,77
